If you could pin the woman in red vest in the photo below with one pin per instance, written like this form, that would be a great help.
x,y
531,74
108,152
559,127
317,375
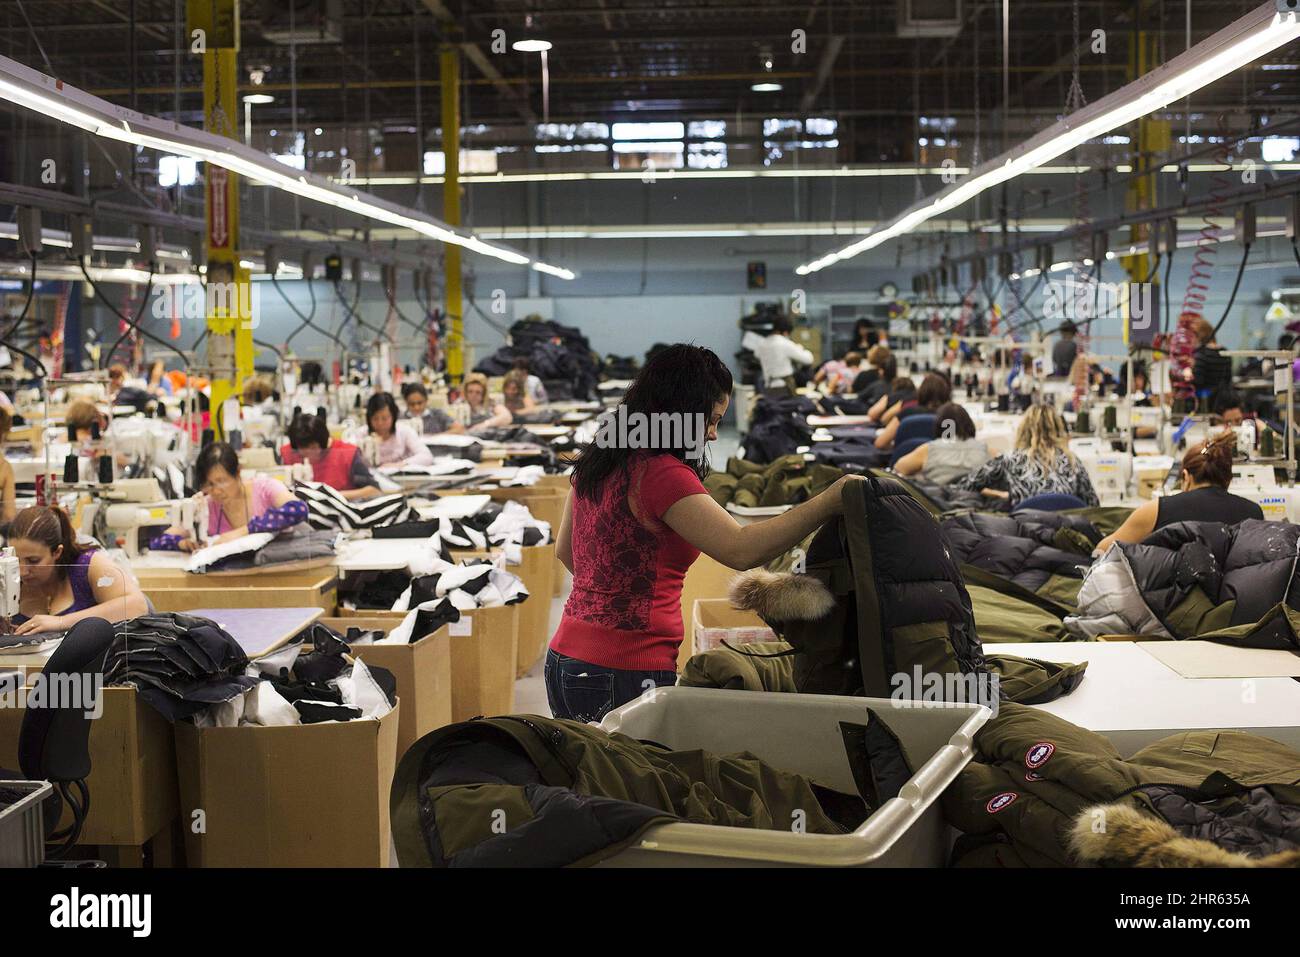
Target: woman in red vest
x,y
339,465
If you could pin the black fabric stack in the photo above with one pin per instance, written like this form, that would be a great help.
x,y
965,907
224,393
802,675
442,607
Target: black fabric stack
x,y
180,663
307,687
559,355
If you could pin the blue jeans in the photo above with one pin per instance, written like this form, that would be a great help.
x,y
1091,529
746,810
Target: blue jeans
x,y
580,691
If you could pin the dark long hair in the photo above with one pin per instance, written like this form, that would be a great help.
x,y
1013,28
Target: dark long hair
x,y
378,402
50,526
682,379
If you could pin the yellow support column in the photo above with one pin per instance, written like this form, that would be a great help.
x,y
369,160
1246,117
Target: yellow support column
x,y
450,88
230,307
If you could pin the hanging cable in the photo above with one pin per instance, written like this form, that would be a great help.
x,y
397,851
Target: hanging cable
x,y
1241,269
307,318
392,302
132,324
351,309
31,292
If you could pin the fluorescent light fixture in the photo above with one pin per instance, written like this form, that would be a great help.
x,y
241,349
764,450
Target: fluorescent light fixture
x,y
531,45
1259,32
767,87
258,99
34,90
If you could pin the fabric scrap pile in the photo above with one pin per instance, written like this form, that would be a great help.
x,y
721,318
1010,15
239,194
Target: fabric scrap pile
x,y
292,687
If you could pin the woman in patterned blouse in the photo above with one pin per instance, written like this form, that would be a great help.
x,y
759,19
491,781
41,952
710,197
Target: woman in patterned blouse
x,y
1041,463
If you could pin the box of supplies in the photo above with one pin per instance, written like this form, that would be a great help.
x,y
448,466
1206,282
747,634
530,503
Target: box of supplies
x,y
714,621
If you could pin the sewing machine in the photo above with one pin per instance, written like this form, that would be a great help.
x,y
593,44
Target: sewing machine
x,y
10,582
131,504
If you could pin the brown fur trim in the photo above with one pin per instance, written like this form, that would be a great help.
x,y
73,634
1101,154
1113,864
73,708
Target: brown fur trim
x,y
784,597
1120,835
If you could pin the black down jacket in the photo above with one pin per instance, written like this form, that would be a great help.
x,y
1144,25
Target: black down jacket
x,y
1027,547
1190,578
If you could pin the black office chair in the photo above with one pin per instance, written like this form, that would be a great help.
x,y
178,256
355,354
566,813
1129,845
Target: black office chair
x,y
54,742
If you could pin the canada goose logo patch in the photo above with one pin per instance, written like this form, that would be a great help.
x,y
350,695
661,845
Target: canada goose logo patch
x,y
1037,755
998,802
1033,776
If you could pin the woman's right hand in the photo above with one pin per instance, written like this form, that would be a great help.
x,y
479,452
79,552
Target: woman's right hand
x,y
188,545
837,490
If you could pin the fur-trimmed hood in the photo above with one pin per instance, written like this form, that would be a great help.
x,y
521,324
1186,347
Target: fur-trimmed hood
x,y
1120,835
781,597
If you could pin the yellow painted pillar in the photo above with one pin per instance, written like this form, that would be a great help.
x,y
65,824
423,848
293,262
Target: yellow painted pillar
x,y
231,310
450,87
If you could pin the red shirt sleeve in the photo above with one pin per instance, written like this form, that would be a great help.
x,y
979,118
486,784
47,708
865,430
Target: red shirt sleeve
x,y
665,480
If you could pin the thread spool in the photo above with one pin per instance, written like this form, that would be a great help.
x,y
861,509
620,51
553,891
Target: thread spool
x,y
1266,444
71,469
106,470
1110,419
1083,423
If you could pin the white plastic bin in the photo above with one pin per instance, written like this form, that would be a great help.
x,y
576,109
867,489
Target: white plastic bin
x,y
22,825
800,733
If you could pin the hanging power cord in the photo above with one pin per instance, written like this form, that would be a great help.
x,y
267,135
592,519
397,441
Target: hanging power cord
x,y
31,292
306,318
1241,269
352,311
131,324
392,302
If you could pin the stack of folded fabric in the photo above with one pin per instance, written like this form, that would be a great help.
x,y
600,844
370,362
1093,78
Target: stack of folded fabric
x,y
787,481
292,687
327,508
264,549
180,664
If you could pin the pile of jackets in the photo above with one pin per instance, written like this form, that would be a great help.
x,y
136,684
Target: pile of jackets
x,y
1042,792
525,790
621,367
881,607
1044,553
180,664
558,355
778,426
1193,579
788,480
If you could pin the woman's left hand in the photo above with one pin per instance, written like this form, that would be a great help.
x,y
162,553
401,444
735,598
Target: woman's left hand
x,y
39,623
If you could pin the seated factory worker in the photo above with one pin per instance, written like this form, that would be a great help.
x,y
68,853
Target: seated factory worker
x,y
1040,463
954,453
536,390
422,418
839,374
236,506
63,582
935,391
873,382
902,394
514,394
475,411
83,419
1204,497
396,442
339,465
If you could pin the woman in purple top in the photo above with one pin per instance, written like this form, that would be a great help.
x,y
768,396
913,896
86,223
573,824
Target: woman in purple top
x,y
62,583
236,506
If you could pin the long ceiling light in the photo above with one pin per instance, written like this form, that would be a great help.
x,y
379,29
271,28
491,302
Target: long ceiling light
x,y
30,88
1259,32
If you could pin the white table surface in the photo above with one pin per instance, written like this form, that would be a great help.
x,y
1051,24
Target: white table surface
x,y
454,506
1134,699
382,554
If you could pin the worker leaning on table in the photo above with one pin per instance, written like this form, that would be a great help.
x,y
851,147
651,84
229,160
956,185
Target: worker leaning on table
x,y
635,520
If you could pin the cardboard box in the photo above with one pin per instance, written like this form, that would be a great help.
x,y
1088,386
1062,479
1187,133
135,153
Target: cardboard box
x,y
423,672
706,578
537,571
484,648
132,779
175,590
713,621
312,795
